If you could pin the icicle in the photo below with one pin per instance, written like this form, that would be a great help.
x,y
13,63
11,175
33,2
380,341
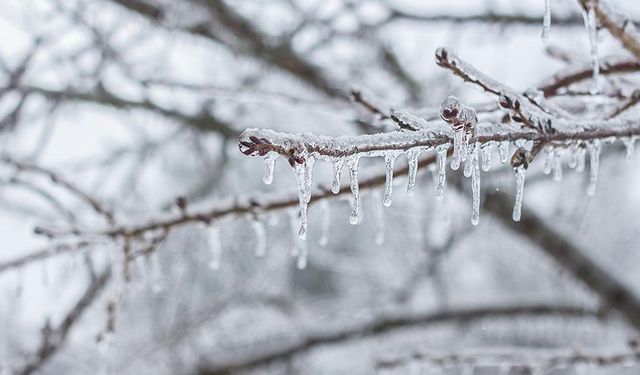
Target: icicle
x,y
442,170
304,179
548,160
379,216
517,207
594,164
591,23
475,184
503,151
261,237
486,156
302,256
630,145
337,168
326,223
573,156
458,137
468,164
389,160
412,156
269,163
557,166
546,23
215,247
352,164
581,159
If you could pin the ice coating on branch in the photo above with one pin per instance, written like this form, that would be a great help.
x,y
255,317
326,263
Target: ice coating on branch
x,y
304,179
215,246
546,22
337,169
269,163
412,157
557,166
630,146
475,184
260,237
326,223
441,154
503,151
389,160
594,148
486,156
591,24
517,207
352,164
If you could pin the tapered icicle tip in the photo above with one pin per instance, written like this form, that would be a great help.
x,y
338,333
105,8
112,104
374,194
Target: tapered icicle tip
x,y
475,183
441,152
412,156
389,160
352,163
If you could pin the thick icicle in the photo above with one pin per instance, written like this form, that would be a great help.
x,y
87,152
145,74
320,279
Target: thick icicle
x,y
458,138
517,207
548,160
546,22
261,237
486,156
630,145
594,165
412,156
337,169
581,159
468,164
503,151
573,155
442,170
269,163
215,247
557,166
475,184
379,216
326,223
352,164
389,160
304,179
591,23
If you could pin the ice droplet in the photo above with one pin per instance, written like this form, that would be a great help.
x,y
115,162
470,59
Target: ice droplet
x,y
546,22
337,169
269,163
517,207
215,247
503,151
352,164
389,160
326,223
594,165
458,136
412,156
557,166
442,170
475,184
261,237
486,156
